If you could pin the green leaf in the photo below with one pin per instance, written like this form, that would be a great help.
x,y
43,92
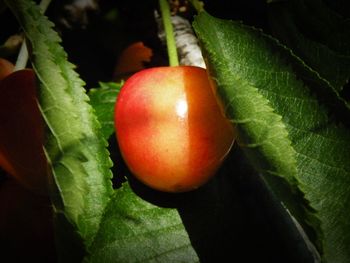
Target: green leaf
x,y
317,35
284,124
102,99
75,146
261,131
134,230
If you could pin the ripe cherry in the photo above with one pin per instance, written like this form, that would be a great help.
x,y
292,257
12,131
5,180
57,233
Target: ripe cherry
x,y
22,131
6,68
170,129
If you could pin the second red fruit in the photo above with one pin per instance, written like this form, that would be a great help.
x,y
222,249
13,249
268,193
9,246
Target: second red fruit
x,y
22,131
170,129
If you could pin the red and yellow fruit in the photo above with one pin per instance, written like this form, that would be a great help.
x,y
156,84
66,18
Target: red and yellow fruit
x,y
170,129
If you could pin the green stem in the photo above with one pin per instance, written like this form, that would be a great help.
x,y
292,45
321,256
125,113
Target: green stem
x,y
169,33
198,5
22,58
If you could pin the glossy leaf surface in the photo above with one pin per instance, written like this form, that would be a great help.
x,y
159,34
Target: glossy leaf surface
x,y
283,123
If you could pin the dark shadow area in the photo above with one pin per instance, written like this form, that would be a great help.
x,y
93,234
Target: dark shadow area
x,y
234,218
26,227
252,12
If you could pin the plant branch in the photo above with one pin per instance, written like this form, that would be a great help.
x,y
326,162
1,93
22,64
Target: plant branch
x,y
169,33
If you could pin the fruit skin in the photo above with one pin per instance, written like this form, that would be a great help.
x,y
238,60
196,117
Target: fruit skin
x,y
22,132
170,129
6,68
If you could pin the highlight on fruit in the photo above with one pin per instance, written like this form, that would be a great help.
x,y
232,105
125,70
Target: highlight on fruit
x,y
170,129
